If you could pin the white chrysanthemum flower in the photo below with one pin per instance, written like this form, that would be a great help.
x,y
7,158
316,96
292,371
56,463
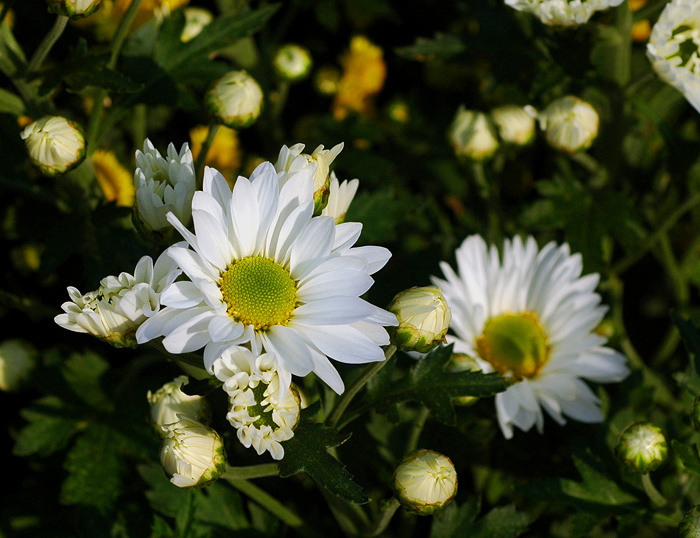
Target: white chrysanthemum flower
x,y
192,454
169,401
75,9
424,318
292,62
292,161
425,481
530,316
516,124
196,19
340,197
55,144
562,12
264,408
570,124
264,272
121,304
17,360
472,135
674,48
236,100
163,185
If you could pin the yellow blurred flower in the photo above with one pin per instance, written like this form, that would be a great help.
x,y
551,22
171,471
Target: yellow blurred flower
x,y
641,31
106,20
364,71
9,16
636,5
116,181
224,153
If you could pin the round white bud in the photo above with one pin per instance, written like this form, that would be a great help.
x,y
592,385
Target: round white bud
x,y
424,482
235,100
55,144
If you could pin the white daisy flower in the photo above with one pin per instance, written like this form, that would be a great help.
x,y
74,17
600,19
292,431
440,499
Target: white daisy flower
x,y
674,48
340,198
163,185
265,273
264,409
562,12
530,315
121,304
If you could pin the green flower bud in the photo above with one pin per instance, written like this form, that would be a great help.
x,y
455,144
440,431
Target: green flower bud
x,y
196,18
424,318
235,100
516,125
17,360
292,62
55,144
690,524
75,9
641,447
472,135
570,124
424,482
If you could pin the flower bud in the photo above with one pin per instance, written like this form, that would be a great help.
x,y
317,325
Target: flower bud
x,y
326,80
292,62
192,454
17,360
196,18
424,318
75,9
570,124
461,362
235,100
55,144
690,524
293,161
169,401
424,482
641,447
516,125
472,135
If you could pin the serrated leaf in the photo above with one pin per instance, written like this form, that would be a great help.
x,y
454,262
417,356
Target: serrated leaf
x,y
688,454
308,451
428,383
83,372
94,469
503,522
51,426
442,46
455,521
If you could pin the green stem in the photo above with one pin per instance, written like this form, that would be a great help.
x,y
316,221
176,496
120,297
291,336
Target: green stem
x,y
383,522
488,191
47,43
350,517
93,134
651,240
202,157
657,500
265,500
139,120
623,51
251,471
417,429
370,370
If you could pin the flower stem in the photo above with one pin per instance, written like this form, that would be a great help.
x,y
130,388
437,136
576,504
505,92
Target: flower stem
x,y
417,429
47,43
202,157
251,471
623,52
342,404
489,193
265,500
383,522
655,497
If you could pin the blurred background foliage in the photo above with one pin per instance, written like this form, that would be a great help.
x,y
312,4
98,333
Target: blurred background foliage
x,y
77,439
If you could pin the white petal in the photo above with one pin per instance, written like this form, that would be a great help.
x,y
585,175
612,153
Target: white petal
x,y
342,343
333,311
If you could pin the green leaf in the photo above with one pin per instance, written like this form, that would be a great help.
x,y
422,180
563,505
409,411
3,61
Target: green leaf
x,y
691,338
442,46
504,522
455,521
11,103
308,451
381,212
94,469
596,491
688,454
51,426
82,372
428,383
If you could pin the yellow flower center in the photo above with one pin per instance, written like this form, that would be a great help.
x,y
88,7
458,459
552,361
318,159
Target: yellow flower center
x,y
259,292
514,343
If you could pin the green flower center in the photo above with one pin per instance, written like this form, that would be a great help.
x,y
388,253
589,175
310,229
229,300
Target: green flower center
x,y
259,292
688,39
264,414
514,343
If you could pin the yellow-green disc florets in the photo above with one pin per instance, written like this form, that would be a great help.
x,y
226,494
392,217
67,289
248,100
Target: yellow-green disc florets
x,y
259,292
514,343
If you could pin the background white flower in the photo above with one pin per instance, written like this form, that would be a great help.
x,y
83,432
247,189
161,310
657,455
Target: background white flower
x,y
340,198
121,304
562,12
264,272
674,48
530,315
